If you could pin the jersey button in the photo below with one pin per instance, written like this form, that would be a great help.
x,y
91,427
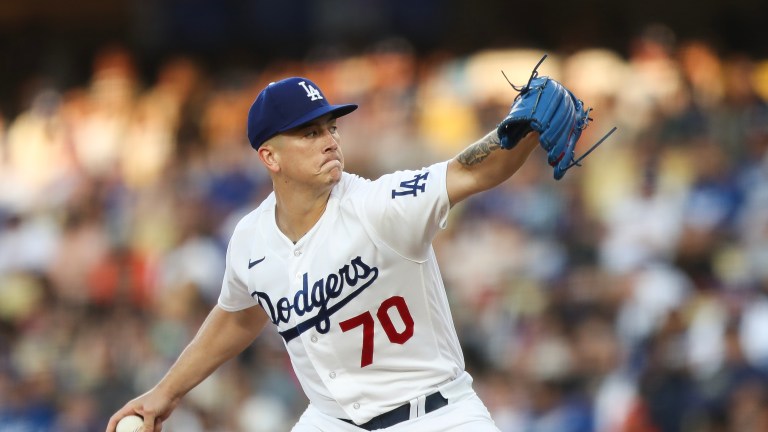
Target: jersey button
x,y
313,339
356,405
332,375
297,253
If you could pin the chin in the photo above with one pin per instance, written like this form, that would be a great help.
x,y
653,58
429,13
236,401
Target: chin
x,y
335,176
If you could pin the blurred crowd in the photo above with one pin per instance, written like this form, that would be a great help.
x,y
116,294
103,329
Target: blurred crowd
x,y
631,296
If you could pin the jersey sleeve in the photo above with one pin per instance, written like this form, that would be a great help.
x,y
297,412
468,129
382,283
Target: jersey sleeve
x,y
405,209
234,294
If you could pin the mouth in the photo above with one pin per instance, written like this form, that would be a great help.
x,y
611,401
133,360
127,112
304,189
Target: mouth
x,y
332,161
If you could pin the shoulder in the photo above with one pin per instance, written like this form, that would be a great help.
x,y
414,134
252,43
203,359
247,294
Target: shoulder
x,y
438,169
350,186
415,180
251,221
363,192
352,183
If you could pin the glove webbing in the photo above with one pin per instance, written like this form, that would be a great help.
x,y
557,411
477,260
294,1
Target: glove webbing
x,y
524,89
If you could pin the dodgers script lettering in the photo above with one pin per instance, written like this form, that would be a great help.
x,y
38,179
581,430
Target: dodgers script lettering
x,y
318,297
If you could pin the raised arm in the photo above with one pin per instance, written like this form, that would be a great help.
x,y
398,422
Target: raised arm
x,y
222,336
485,164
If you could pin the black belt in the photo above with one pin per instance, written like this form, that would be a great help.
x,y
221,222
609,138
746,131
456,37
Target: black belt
x,y
402,413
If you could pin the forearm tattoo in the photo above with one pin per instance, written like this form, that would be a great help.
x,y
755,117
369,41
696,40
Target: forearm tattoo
x,y
480,150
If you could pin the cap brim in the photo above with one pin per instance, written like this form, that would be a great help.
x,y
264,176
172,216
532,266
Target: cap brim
x,y
336,110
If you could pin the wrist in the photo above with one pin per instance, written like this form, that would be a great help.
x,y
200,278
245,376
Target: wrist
x,y
168,391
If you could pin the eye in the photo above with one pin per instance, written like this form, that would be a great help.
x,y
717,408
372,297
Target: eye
x,y
311,133
333,129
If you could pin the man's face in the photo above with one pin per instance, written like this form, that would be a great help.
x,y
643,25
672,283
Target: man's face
x,y
311,153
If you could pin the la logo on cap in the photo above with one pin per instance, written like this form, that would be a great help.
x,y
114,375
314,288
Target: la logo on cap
x,y
312,92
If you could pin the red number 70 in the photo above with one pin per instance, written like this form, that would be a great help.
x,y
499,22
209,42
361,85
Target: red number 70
x,y
366,320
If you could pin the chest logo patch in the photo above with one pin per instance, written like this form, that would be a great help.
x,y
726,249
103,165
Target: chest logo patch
x,y
253,263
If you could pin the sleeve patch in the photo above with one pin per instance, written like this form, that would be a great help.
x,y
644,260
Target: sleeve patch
x,y
413,186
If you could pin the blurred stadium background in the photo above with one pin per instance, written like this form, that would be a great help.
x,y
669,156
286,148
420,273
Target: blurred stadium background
x,y
630,297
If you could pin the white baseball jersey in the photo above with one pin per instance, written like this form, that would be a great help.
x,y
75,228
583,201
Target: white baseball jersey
x,y
359,300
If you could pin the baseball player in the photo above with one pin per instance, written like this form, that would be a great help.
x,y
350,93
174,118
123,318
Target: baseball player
x,y
344,269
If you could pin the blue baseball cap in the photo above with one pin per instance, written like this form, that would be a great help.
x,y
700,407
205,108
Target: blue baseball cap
x,y
287,104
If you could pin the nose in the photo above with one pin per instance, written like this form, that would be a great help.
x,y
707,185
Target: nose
x,y
330,142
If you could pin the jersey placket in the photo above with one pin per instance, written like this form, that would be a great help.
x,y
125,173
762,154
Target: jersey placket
x,y
322,355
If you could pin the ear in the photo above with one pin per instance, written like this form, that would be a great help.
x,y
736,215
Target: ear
x,y
269,157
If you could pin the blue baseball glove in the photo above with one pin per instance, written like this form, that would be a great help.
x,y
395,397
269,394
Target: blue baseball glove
x,y
547,107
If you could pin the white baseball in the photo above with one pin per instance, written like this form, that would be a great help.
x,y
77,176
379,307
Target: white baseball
x,y
131,423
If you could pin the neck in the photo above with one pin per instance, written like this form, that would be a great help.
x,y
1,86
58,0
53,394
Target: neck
x,y
296,213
